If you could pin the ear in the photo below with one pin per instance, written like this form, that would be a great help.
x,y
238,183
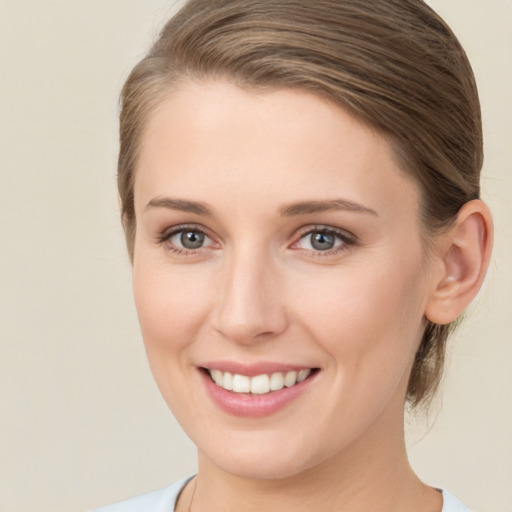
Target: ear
x,y
463,253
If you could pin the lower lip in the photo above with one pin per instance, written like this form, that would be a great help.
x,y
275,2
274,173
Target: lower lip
x,y
248,405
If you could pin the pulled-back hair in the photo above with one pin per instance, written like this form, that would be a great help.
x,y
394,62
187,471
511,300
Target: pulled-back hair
x,y
394,64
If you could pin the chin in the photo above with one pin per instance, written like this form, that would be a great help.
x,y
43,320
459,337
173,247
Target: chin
x,y
257,457
270,468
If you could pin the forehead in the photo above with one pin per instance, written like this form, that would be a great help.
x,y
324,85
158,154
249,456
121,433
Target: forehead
x,y
215,140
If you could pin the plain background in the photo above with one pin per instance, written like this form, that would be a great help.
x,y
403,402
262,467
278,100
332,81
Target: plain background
x,y
81,422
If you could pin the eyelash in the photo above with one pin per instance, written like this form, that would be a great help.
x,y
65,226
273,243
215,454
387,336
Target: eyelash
x,y
346,238
181,251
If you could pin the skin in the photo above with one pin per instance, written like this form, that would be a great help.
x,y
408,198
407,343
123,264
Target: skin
x,y
257,290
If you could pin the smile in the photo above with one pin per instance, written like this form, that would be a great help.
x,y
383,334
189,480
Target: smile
x,y
258,389
259,384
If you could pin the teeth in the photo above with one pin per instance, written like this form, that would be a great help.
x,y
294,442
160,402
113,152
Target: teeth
x,y
217,377
227,382
241,383
303,375
276,381
290,379
260,384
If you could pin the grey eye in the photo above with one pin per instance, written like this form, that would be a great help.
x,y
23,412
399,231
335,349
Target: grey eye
x,y
190,239
322,241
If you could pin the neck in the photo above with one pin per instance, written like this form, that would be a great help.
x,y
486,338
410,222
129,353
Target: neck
x,y
374,474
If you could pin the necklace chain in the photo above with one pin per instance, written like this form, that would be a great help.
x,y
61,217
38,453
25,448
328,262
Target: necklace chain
x,y
192,497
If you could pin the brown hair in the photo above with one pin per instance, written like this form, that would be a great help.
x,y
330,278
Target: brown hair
x,y
393,63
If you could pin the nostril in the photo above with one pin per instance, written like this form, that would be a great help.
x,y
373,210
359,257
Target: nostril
x,y
265,334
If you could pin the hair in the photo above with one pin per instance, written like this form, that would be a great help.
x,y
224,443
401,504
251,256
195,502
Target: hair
x,y
394,64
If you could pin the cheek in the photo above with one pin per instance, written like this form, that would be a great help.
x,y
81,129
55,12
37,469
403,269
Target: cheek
x,y
172,303
367,317
369,325
172,306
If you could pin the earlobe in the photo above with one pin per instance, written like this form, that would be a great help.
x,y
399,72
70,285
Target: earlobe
x,y
464,256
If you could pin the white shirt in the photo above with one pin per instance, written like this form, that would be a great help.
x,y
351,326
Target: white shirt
x,y
164,500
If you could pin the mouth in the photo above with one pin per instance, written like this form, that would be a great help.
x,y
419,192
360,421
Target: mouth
x,y
263,384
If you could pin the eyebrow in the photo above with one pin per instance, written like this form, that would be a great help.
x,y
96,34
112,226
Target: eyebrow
x,y
304,207
183,205
289,210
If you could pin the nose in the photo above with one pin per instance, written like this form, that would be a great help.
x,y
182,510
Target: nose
x,y
250,307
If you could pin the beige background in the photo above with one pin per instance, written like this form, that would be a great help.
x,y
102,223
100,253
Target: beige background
x,y
82,423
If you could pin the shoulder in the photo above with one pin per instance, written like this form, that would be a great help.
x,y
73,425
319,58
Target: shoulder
x,y
452,504
162,500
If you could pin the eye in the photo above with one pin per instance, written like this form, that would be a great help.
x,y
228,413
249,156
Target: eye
x,y
321,241
327,240
188,238
183,240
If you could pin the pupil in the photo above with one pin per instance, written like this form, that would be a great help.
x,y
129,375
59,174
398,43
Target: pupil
x,y
192,239
322,241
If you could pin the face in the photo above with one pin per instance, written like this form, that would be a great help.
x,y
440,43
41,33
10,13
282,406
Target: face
x,y
278,252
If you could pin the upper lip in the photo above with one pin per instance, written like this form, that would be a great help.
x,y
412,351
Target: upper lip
x,y
253,369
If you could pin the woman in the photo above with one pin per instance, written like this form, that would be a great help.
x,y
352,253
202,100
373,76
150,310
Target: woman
x,y
300,195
